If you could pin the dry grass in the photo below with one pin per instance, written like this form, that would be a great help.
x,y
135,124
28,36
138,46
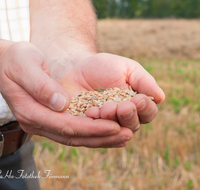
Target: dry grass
x,y
151,38
163,155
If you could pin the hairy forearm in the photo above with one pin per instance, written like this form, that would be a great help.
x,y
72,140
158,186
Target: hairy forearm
x,y
63,25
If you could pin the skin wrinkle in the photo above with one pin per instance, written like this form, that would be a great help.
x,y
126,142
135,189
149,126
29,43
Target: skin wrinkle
x,y
90,88
111,84
128,77
137,80
63,132
38,92
9,77
69,130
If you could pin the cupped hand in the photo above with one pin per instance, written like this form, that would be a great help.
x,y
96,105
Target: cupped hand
x,y
108,71
37,102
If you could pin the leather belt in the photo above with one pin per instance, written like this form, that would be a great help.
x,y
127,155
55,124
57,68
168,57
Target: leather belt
x,y
12,137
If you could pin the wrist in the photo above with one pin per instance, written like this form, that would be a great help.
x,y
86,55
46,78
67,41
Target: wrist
x,y
72,51
65,29
62,59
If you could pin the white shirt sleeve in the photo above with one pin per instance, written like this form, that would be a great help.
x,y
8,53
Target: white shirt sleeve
x,y
5,113
14,26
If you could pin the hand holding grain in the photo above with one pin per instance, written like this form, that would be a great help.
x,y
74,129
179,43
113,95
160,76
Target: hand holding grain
x,y
28,89
69,45
104,71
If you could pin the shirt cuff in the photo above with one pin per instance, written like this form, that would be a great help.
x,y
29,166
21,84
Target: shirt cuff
x,y
5,113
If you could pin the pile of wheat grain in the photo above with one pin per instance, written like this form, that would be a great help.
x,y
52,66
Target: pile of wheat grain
x,y
87,99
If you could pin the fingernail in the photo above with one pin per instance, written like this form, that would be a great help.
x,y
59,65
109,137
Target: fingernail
x,y
141,104
123,139
112,133
118,145
127,115
111,115
96,117
57,101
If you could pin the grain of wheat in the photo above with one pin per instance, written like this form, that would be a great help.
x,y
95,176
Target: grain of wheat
x,y
87,99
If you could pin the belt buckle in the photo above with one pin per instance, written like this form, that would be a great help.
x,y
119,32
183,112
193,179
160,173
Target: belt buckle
x,y
1,143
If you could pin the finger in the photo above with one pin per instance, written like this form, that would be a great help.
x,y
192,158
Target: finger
x,y
28,111
142,82
66,124
29,69
93,112
127,115
146,108
119,145
109,111
91,142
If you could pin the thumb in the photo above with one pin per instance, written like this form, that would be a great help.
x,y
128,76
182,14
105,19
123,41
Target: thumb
x,y
142,82
28,68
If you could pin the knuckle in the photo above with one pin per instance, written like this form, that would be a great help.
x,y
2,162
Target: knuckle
x,y
71,130
69,142
75,133
65,130
40,89
62,131
105,144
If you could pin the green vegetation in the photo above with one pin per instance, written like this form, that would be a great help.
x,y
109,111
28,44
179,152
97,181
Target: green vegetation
x,y
167,156
147,8
73,153
50,146
188,165
190,185
176,162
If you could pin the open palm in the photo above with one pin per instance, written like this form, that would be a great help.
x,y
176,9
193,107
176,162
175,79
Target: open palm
x,y
109,71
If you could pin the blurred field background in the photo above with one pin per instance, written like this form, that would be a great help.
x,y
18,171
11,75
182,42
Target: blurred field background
x,y
163,155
